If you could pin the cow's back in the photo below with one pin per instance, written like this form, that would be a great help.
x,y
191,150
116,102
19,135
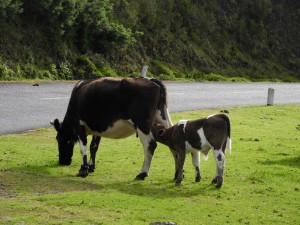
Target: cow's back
x,y
99,102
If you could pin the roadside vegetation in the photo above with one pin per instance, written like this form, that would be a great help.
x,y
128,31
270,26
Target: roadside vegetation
x,y
261,178
209,40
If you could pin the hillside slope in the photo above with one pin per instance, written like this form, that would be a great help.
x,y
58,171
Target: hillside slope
x,y
177,39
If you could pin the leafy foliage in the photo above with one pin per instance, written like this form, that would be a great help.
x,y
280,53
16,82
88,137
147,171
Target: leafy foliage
x,y
9,9
256,40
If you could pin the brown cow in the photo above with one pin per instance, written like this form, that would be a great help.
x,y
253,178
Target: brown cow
x,y
112,108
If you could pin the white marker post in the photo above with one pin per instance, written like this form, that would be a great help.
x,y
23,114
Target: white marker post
x,y
271,93
144,71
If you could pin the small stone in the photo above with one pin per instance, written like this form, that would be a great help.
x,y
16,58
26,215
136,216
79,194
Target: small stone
x,y
163,223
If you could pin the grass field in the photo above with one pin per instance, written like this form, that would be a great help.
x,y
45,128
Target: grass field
x,y
262,178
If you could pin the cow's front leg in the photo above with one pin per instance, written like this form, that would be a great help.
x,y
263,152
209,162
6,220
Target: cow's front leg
x,y
83,172
181,159
149,145
196,163
175,155
93,150
220,161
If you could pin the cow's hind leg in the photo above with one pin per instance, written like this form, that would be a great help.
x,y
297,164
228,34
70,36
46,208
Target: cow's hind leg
x,y
220,161
83,172
93,150
149,145
196,163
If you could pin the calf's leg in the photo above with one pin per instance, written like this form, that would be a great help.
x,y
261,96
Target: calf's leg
x,y
149,145
175,156
181,159
220,162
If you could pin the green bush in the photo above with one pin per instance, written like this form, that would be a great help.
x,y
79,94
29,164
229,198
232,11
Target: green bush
x,y
196,75
84,68
108,72
177,39
5,73
10,9
65,72
29,71
165,73
239,79
214,77
53,71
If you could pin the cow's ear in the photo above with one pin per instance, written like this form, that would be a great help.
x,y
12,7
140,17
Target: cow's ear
x,y
56,124
74,138
161,132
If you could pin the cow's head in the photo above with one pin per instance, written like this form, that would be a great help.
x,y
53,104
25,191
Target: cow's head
x,y
66,140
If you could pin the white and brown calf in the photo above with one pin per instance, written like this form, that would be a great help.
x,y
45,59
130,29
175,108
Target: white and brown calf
x,y
195,136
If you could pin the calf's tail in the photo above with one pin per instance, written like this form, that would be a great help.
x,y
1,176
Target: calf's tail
x,y
228,145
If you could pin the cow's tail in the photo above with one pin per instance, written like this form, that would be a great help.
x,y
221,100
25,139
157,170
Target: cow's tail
x,y
163,91
228,142
163,103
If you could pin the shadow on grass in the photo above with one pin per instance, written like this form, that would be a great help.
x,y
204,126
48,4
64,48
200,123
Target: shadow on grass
x,y
41,184
25,180
292,162
163,189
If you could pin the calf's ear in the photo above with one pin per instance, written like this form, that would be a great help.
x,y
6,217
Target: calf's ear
x,y
161,132
56,124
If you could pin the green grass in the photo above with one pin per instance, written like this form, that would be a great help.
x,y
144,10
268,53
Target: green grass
x,y
261,178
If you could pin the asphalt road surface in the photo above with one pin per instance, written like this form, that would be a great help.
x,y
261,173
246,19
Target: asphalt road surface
x,y
24,106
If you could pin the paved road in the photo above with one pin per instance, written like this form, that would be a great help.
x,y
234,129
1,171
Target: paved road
x,y
24,107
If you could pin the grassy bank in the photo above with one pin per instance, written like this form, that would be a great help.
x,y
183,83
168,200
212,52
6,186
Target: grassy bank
x,y
194,40
261,178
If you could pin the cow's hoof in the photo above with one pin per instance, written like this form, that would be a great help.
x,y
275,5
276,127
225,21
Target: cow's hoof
x,y
83,172
214,181
65,162
141,176
218,181
197,179
91,169
178,182
176,174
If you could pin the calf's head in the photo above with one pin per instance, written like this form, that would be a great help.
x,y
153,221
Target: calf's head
x,y
66,140
160,135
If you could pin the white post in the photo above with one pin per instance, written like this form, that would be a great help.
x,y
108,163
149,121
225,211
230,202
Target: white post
x,y
144,71
270,101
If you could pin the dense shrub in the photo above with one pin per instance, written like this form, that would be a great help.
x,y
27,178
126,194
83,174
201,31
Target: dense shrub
x,y
84,68
258,39
214,77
